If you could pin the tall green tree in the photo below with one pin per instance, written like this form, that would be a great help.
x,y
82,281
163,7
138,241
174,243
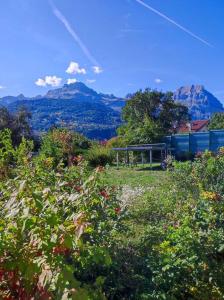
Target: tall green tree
x,y
217,121
18,123
149,115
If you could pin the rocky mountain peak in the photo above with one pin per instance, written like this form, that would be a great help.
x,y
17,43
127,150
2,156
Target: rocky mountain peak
x,y
21,97
69,91
201,103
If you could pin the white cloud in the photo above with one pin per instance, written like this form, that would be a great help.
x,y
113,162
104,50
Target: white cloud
x,y
97,70
158,80
1,87
90,80
40,82
74,68
71,80
49,80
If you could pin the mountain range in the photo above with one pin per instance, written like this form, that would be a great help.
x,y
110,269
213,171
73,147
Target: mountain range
x,y
97,115
75,106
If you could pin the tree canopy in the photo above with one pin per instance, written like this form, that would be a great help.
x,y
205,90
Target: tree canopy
x,y
18,123
148,115
217,121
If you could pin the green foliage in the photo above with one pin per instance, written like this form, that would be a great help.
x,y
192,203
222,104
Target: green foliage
x,y
24,152
217,121
147,132
65,232
189,257
149,115
7,153
56,232
177,232
99,156
10,156
117,141
17,123
62,145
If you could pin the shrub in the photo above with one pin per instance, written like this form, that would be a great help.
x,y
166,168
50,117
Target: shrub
x,y
186,255
99,156
62,144
56,233
10,156
117,141
7,153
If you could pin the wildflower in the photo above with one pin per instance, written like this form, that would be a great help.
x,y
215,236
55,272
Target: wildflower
x,y
61,250
176,224
39,253
100,169
104,194
78,188
198,154
77,159
117,210
211,196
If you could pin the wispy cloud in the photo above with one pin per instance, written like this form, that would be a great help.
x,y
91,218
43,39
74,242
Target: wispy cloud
x,y
73,33
71,80
48,80
2,87
90,80
74,68
158,80
174,23
97,70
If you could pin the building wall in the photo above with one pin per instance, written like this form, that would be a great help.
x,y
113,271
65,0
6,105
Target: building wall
x,y
196,142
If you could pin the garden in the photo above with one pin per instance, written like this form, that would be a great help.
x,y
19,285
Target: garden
x,y
73,226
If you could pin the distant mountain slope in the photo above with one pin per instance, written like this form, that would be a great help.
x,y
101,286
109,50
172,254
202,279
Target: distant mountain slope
x,y
10,99
95,114
94,119
201,103
75,106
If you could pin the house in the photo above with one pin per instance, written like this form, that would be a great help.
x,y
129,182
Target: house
x,y
194,126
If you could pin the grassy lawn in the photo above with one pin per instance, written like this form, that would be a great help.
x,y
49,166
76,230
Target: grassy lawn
x,y
142,175
154,183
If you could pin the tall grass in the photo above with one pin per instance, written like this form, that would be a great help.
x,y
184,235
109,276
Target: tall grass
x,y
99,156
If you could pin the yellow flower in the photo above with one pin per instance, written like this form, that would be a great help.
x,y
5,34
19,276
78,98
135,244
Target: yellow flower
x,y
193,289
211,196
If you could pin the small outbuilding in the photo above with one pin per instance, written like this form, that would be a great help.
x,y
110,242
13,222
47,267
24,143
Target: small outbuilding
x,y
143,148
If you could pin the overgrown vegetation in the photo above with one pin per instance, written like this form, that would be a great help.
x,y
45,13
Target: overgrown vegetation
x,y
56,227
175,236
99,156
62,145
69,231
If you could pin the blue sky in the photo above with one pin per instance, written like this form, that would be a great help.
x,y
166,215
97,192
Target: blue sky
x,y
115,46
